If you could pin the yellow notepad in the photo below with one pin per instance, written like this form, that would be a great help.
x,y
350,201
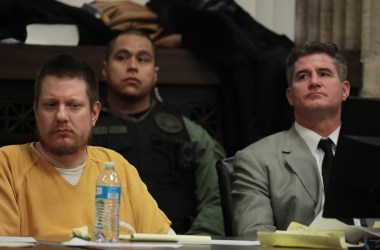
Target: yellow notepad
x,y
298,235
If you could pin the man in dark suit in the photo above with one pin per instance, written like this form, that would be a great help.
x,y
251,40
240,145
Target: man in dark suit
x,y
279,178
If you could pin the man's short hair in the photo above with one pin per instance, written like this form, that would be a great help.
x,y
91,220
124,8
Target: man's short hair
x,y
130,31
67,66
309,48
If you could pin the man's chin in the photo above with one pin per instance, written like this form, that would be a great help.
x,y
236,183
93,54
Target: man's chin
x,y
61,147
132,96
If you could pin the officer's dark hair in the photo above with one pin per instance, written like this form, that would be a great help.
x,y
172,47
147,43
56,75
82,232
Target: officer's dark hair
x,y
131,31
67,66
309,48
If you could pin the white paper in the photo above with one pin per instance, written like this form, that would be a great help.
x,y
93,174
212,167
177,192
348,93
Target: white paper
x,y
187,239
191,239
75,242
52,34
321,223
353,233
14,241
236,242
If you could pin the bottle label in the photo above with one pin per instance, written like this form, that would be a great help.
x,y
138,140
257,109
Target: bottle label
x,y
108,193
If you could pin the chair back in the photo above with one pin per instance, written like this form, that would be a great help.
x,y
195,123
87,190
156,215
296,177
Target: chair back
x,y
225,169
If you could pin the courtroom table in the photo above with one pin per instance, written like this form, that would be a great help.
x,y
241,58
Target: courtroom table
x,y
54,243
44,246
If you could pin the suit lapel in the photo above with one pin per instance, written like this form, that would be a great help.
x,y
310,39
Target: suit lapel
x,y
299,158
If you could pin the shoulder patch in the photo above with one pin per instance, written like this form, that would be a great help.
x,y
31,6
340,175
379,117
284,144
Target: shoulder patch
x,y
168,123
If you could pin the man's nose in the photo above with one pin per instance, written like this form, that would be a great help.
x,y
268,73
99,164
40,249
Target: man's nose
x,y
62,114
132,65
314,79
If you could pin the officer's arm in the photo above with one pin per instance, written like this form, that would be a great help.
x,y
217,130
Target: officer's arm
x,y
209,219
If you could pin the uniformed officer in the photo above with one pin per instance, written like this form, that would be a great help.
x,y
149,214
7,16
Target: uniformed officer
x,y
174,156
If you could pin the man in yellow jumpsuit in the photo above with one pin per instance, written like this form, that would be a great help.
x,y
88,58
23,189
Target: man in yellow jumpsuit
x,y
48,187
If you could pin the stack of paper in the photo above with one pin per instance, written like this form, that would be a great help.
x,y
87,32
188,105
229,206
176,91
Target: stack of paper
x,y
90,244
298,235
10,241
158,240
353,234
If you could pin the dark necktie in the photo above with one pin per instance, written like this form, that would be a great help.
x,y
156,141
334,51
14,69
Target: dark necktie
x,y
325,145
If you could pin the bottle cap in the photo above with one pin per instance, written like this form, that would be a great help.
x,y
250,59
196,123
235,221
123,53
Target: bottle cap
x,y
109,164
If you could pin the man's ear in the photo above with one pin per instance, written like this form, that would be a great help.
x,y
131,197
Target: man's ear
x,y
35,108
95,113
104,70
289,95
346,89
156,69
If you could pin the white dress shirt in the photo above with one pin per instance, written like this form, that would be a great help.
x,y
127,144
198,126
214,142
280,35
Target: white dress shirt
x,y
312,139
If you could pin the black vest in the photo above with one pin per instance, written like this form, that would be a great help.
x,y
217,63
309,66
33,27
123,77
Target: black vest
x,y
158,145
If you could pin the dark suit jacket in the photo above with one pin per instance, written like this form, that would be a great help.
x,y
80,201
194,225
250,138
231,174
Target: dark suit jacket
x,y
276,182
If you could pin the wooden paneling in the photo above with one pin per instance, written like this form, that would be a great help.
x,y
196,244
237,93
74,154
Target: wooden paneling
x,y
177,66
188,83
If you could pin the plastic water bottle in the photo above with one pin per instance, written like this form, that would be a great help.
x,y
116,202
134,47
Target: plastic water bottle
x,y
107,202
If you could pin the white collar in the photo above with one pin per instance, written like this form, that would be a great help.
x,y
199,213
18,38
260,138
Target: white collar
x,y
312,139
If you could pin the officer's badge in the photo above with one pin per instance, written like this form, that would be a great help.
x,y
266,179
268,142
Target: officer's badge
x,y
168,123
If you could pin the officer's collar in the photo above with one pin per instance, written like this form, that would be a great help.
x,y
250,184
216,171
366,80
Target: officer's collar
x,y
138,116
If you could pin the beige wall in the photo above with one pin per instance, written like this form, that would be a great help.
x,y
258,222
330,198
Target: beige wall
x,y
276,15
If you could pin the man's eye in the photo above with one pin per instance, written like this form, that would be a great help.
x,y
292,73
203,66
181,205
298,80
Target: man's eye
x,y
50,104
144,59
301,77
325,74
75,106
121,57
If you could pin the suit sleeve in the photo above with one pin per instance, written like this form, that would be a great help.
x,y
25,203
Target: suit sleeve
x,y
251,194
